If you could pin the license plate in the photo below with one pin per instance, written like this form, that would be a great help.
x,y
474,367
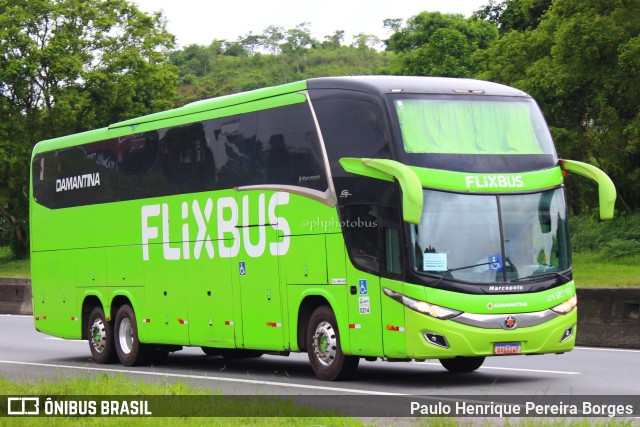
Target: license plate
x,y
507,348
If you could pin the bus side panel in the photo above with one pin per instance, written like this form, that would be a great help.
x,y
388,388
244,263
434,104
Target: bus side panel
x,y
54,295
337,299
90,267
365,313
124,266
211,302
394,337
257,268
165,302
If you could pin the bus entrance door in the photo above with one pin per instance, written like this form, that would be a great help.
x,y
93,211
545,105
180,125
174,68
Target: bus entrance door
x,y
364,313
258,275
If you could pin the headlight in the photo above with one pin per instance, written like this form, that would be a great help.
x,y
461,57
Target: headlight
x,y
566,306
421,306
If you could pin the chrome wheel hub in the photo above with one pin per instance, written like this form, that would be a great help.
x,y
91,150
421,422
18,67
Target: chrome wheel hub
x,y
325,343
125,336
98,335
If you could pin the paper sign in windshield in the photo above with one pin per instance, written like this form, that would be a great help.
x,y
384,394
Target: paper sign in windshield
x,y
434,262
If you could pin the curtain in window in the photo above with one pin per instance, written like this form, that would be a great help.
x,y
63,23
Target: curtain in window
x,y
467,127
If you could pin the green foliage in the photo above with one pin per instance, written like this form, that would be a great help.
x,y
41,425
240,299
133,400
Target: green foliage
x,y
436,44
67,66
514,15
581,64
612,239
273,57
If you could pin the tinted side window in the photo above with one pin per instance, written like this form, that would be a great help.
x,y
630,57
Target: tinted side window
x,y
137,157
361,236
185,158
352,128
231,141
289,150
75,176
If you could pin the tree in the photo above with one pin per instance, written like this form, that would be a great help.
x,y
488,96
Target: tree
x,y
68,66
514,15
581,64
436,44
333,41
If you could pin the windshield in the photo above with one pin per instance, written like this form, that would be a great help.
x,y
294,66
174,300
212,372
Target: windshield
x,y
477,125
492,238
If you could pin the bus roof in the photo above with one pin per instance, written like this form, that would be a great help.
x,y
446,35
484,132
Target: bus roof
x,y
377,85
381,85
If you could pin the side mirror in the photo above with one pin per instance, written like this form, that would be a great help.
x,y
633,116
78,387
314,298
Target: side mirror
x,y
390,170
606,188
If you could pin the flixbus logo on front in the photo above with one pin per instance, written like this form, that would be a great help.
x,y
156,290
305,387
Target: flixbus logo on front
x,y
494,181
232,228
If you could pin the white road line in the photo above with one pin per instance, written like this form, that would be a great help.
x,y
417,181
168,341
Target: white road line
x,y
62,339
203,377
537,371
16,315
621,350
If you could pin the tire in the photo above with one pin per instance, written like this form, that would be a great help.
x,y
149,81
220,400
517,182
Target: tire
x,y
462,364
130,350
100,337
323,347
230,354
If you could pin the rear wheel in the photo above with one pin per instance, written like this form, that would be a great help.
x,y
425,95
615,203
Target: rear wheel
x,y
323,347
100,335
131,351
462,364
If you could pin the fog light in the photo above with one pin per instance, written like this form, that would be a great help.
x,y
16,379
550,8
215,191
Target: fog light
x,y
436,339
567,334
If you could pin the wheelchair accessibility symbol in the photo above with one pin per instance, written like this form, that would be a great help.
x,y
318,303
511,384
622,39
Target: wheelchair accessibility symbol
x,y
242,268
495,263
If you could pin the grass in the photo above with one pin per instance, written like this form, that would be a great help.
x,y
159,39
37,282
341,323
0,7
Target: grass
x,y
15,269
589,270
288,415
595,270
96,387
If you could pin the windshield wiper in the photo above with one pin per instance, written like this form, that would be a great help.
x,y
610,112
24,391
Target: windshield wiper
x,y
555,273
456,269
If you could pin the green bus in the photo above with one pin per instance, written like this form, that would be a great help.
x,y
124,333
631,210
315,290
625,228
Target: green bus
x,y
401,218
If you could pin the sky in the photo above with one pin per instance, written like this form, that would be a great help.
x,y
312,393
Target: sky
x,y
202,21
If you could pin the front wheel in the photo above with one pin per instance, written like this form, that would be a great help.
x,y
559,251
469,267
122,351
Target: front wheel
x,y
323,347
462,364
100,335
131,351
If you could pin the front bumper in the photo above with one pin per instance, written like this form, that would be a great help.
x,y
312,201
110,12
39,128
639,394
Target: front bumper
x,y
466,340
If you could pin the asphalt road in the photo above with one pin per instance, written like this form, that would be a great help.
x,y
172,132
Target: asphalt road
x,y
28,355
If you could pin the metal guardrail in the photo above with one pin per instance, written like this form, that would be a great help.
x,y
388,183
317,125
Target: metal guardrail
x,y
607,317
